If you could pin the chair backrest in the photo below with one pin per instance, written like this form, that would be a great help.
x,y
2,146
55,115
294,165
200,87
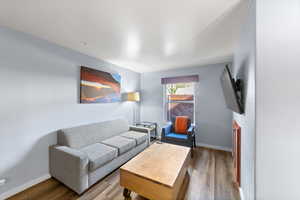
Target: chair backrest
x,y
80,136
181,124
174,118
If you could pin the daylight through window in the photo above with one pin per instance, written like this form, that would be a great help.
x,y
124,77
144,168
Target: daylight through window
x,y
180,100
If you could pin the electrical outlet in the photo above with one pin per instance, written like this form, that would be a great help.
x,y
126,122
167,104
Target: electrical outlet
x,y
2,181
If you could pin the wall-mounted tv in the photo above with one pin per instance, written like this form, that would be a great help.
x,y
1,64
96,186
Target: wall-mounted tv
x,y
232,91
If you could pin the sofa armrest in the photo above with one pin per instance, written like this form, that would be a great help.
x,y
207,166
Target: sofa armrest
x,y
191,129
70,166
166,130
191,133
141,129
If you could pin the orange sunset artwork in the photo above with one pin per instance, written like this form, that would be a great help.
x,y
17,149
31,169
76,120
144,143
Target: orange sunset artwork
x,y
99,87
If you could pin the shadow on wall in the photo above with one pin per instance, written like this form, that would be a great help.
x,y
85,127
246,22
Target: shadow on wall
x,y
33,165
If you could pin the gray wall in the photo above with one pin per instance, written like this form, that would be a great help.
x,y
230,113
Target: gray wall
x,y
39,94
213,119
278,100
244,68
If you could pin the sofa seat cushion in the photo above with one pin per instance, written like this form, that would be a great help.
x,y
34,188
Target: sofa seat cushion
x,y
121,143
99,154
177,136
137,136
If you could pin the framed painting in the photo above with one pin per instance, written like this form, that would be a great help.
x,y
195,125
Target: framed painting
x,y
99,87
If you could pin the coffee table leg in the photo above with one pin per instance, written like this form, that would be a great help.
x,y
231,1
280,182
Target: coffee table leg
x,y
126,194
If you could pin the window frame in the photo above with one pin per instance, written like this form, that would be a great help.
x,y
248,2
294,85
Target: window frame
x,y
166,102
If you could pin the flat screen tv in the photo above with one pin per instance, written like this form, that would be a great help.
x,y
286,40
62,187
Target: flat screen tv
x,y
231,91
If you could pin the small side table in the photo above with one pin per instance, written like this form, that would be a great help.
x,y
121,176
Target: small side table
x,y
152,126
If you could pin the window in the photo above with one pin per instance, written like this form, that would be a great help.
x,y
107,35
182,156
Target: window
x,y
180,100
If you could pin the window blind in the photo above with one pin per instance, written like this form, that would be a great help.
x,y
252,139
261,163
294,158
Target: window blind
x,y
180,79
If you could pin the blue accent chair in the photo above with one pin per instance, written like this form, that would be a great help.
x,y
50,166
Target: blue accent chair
x,y
169,136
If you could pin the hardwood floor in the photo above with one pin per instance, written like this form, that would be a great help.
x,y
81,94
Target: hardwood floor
x,y
211,178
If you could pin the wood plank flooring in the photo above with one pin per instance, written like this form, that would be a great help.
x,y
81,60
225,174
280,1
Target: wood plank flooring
x,y
211,178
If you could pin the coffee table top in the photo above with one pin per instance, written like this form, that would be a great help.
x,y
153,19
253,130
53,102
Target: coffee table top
x,y
160,163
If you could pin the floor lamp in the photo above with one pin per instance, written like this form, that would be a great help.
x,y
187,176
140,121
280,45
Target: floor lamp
x,y
134,97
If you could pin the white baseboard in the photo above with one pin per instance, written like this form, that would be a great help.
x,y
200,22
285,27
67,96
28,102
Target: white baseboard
x,y
241,193
25,186
214,147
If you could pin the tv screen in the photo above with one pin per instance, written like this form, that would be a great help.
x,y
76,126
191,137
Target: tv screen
x,y
230,91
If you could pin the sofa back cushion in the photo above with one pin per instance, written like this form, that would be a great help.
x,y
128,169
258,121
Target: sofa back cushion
x,y
81,136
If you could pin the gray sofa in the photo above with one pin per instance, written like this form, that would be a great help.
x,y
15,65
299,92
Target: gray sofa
x,y
87,153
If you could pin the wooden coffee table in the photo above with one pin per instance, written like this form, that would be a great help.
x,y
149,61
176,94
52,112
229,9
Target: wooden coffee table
x,y
157,173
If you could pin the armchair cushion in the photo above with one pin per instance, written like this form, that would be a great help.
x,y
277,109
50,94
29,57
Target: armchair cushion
x,y
177,136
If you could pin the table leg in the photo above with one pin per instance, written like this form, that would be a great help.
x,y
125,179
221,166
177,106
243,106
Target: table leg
x,y
126,194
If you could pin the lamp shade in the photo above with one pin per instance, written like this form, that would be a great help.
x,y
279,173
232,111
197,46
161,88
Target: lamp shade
x,y
133,96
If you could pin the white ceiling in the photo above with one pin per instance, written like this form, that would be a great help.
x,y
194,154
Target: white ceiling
x,y
140,35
